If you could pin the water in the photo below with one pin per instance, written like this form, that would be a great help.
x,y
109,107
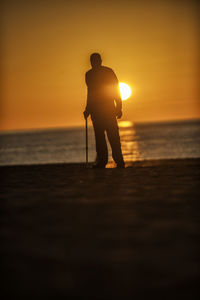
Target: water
x,y
139,142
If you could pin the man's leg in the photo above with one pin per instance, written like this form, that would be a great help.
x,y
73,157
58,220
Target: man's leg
x,y
101,146
114,139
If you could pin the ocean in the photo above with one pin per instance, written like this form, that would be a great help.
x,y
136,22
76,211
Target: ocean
x,y
147,141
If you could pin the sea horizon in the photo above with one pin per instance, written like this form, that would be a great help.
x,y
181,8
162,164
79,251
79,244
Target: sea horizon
x,y
32,129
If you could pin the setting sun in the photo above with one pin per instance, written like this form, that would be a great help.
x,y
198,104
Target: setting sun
x,y
125,90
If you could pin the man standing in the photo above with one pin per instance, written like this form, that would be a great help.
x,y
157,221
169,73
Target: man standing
x,y
104,104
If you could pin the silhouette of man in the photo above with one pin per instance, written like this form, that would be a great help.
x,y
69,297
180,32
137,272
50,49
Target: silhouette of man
x,y
104,104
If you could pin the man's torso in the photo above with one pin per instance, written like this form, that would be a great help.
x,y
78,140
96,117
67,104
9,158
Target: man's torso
x,y
102,87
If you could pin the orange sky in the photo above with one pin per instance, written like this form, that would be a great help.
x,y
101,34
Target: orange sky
x,y
151,45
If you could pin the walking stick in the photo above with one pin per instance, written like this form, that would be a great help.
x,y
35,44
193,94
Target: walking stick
x,y
86,141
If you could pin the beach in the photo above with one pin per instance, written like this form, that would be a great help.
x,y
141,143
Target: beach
x,y
77,232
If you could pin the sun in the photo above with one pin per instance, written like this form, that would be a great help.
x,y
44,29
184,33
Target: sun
x,y
125,90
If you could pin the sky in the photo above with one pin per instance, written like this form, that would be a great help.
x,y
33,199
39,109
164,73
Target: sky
x,y
45,47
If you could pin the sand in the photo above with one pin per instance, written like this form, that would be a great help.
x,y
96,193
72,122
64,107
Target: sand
x,y
128,233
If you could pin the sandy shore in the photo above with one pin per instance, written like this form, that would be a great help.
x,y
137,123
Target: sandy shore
x,y
101,234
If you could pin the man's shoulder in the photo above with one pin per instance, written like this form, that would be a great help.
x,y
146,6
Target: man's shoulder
x,y
88,72
107,69
104,68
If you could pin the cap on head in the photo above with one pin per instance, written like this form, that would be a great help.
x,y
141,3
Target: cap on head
x,y
95,59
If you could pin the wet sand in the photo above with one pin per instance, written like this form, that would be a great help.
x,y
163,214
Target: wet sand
x,y
128,233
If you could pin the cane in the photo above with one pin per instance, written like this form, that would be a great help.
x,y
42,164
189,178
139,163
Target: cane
x,y
86,141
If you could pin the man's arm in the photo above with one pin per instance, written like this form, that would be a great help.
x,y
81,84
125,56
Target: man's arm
x,y
86,113
118,99
118,102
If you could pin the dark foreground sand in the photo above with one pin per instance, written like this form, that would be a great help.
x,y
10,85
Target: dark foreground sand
x,y
101,234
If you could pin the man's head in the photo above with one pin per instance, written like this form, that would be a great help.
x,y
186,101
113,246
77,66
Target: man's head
x,y
95,59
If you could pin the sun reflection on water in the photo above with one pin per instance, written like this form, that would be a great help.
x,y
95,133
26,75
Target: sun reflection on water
x,y
129,141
